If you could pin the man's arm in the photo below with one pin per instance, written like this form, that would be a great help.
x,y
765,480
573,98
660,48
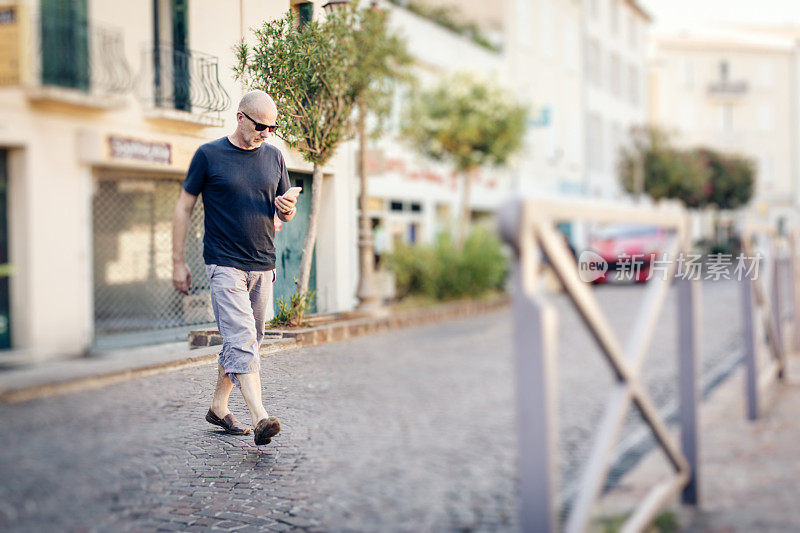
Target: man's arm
x,y
181,278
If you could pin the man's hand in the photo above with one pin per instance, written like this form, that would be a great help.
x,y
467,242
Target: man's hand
x,y
286,207
181,277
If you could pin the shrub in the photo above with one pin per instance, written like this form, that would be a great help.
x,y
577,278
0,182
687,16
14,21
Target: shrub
x,y
293,313
442,271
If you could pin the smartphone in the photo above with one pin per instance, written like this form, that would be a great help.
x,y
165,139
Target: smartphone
x,y
292,193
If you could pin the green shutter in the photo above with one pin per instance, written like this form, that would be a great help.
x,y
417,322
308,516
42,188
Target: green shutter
x,y
5,323
65,43
305,13
180,54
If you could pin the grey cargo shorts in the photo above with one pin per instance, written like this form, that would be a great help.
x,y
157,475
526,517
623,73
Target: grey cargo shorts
x,y
241,302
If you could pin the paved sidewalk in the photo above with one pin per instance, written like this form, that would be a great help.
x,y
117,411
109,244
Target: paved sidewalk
x,y
749,471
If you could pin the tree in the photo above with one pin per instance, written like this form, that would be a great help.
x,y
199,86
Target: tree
x,y
667,171
384,61
317,73
731,179
468,123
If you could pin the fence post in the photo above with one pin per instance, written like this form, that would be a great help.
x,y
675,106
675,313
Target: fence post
x,y
777,302
794,271
751,376
689,312
534,341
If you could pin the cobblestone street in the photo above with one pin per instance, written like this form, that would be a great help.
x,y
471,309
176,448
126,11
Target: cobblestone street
x,y
407,430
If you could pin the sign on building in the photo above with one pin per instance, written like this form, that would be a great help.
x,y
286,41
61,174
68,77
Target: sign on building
x,y
10,46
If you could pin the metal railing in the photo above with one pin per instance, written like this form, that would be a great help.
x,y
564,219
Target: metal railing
x,y
529,227
76,54
185,80
764,298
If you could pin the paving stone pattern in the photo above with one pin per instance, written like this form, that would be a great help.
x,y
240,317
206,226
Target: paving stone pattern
x,y
410,430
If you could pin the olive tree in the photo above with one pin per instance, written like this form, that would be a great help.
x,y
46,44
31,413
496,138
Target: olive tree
x,y
468,123
318,73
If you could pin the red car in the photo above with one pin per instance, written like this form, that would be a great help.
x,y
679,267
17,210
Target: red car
x,y
628,250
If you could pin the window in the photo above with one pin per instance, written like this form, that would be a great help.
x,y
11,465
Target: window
x,y
616,75
687,115
65,44
632,40
416,207
764,77
546,30
396,206
633,84
594,140
688,73
766,171
726,118
594,70
616,141
724,71
614,16
766,118
304,11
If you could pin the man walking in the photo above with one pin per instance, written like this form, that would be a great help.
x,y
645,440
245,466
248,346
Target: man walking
x,y
243,182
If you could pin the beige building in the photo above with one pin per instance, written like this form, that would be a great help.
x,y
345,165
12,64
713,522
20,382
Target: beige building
x,y
102,104
735,91
615,44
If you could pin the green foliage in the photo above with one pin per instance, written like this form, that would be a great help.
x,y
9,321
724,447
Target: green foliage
x,y
698,178
668,172
467,122
447,17
443,271
731,178
318,72
293,313
664,522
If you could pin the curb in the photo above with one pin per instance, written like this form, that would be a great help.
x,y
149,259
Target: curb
x,y
324,334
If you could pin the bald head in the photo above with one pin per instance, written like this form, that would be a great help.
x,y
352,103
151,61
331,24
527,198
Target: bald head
x,y
259,108
257,103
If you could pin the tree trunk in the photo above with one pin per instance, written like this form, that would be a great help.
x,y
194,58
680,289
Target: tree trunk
x,y
464,217
367,297
311,234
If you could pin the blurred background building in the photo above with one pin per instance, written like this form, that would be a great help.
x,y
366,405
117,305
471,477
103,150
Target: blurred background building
x,y
735,91
102,105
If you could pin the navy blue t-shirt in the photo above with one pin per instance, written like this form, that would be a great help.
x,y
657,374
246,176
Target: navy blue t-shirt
x,y
239,189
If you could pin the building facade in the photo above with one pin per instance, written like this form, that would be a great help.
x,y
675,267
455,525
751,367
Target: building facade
x,y
730,90
615,48
412,198
102,106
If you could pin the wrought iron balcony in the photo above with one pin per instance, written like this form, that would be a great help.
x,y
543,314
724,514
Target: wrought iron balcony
x,y
74,54
184,80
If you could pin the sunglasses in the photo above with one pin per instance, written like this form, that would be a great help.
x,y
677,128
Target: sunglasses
x,y
259,126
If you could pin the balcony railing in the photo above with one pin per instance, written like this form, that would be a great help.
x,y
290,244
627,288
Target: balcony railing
x,y
73,54
727,89
184,80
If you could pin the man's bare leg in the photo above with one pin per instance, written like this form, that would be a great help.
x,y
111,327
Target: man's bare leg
x,y
251,390
219,403
265,426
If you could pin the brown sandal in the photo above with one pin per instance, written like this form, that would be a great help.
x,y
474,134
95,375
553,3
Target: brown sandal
x,y
228,423
266,429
